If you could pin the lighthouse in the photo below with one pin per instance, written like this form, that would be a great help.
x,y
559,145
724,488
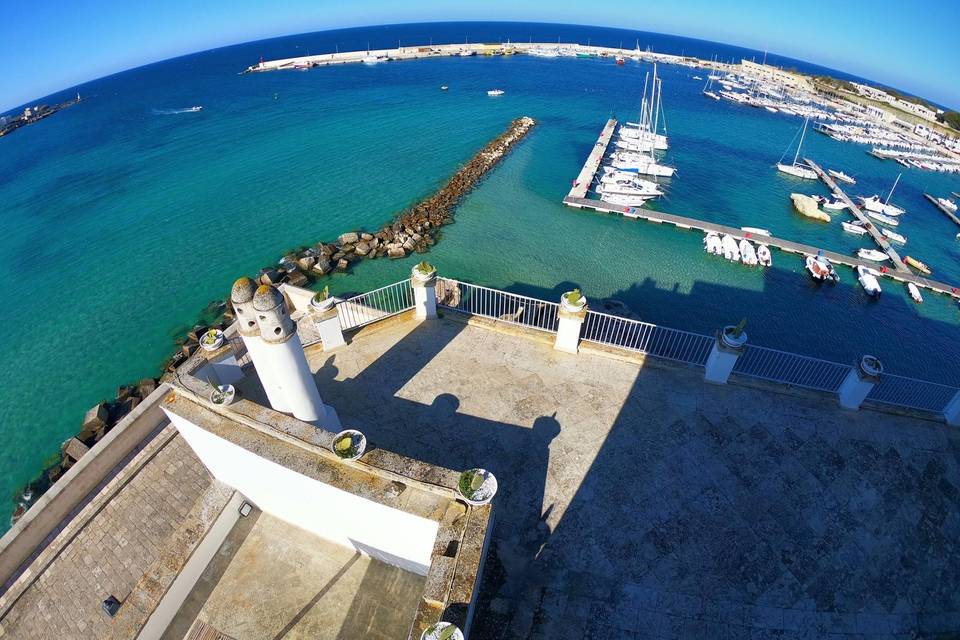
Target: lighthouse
x,y
241,296
281,360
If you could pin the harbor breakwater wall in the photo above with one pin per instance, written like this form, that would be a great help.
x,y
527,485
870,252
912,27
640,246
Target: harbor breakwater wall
x,y
415,229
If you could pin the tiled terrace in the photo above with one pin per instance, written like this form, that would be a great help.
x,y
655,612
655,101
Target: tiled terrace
x,y
636,501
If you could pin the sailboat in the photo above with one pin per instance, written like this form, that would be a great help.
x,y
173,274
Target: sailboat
x,y
708,87
795,169
648,127
874,204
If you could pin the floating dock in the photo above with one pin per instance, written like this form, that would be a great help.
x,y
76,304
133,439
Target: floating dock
x,y
950,214
582,184
772,241
871,227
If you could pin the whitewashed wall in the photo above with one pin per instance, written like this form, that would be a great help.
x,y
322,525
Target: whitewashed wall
x,y
391,535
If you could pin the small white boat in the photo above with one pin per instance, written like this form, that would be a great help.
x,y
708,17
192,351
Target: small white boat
x,y
896,237
876,205
868,280
711,94
712,244
628,187
770,109
872,255
757,230
697,78
821,269
797,171
195,109
879,217
841,176
731,251
624,200
946,203
763,255
834,204
641,164
914,291
371,60
853,228
748,255
495,92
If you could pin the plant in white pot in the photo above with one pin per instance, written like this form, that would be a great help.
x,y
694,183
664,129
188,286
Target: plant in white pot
x,y
322,301
442,631
477,486
212,340
349,444
734,336
223,394
573,301
423,271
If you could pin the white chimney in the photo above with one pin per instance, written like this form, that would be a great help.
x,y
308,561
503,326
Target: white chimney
x,y
242,298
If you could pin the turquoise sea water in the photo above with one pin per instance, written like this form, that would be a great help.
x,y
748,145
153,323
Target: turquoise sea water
x,y
122,219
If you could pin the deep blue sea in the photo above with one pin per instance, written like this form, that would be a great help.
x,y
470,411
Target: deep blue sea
x,y
123,217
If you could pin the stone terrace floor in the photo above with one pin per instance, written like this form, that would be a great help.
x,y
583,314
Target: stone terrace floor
x,y
637,501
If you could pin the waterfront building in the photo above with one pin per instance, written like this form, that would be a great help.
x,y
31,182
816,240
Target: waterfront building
x,y
775,75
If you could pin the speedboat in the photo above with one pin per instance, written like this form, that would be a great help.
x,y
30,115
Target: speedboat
x,y
914,292
712,244
763,255
841,176
821,269
748,255
195,109
916,264
853,228
872,254
896,237
757,230
879,217
624,200
731,251
443,87
495,92
868,280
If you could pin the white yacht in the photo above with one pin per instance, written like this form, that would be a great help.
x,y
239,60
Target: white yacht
x,y
872,254
834,204
869,281
795,169
947,203
631,179
876,205
642,164
629,188
896,237
879,217
764,258
635,145
731,251
855,229
624,200
841,176
748,255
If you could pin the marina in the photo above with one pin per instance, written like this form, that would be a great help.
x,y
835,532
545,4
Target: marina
x,y
582,184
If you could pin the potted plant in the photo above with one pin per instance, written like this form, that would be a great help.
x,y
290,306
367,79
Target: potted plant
x,y
223,394
212,340
573,301
423,271
349,444
871,366
322,301
442,631
477,486
734,336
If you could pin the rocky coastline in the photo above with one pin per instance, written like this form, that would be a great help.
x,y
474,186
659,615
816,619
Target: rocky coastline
x,y
414,230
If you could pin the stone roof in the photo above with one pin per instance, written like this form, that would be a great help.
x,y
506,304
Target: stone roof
x,y
243,290
267,297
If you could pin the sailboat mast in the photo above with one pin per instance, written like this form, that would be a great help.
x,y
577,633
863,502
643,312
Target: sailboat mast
x,y
643,101
656,117
802,133
895,182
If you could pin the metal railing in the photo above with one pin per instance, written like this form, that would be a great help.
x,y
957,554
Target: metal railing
x,y
912,393
498,305
650,339
375,305
790,368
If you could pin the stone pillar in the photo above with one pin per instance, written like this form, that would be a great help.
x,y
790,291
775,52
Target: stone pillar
x,y
424,292
568,329
858,383
723,355
327,322
952,412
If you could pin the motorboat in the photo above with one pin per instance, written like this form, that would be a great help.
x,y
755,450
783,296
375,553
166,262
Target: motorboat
x,y
195,109
821,269
807,206
748,255
469,53
872,255
855,229
764,257
443,87
495,92
874,204
624,200
731,251
841,176
711,94
914,292
757,230
795,169
370,60
619,60
630,188
947,203
879,217
896,237
712,244
919,266
641,164
868,279
834,204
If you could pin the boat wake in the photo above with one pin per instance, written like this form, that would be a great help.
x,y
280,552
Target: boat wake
x,y
173,112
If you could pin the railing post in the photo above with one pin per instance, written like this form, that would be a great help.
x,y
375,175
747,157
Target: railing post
x,y
423,279
952,411
571,314
724,353
859,382
327,322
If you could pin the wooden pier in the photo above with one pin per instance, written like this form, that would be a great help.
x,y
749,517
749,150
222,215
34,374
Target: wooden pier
x,y
772,241
582,184
871,228
950,214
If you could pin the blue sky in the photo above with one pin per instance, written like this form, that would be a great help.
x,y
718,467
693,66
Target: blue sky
x,y
47,46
